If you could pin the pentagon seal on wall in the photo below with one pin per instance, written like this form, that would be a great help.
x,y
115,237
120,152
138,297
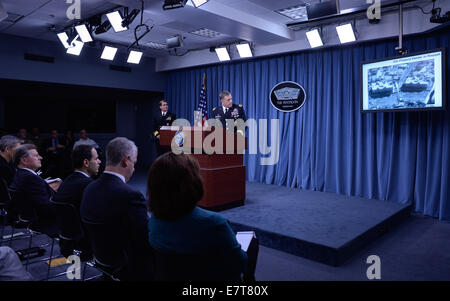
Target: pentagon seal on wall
x,y
287,96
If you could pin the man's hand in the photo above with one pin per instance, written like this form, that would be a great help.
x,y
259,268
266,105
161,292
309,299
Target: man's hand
x,y
157,137
60,146
55,185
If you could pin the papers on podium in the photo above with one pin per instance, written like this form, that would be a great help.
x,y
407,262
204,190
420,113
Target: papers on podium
x,y
244,238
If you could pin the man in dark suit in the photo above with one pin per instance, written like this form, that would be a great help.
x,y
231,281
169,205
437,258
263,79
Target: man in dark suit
x,y
228,110
35,190
8,144
121,210
86,163
164,118
7,171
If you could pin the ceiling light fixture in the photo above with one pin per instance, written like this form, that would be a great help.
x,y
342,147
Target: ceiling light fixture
x,y
104,27
346,33
76,49
63,37
172,4
134,57
244,50
314,38
84,34
129,18
198,3
222,54
109,53
116,21
72,36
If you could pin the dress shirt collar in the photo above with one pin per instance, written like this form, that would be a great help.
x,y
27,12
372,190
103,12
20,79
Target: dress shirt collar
x,y
82,172
224,109
116,174
30,170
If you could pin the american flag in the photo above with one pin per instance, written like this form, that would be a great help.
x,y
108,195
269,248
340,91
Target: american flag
x,y
202,105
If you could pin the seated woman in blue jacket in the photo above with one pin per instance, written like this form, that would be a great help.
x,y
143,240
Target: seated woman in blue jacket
x,y
177,225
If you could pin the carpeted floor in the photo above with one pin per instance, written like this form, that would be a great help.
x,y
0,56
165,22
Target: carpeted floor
x,y
416,250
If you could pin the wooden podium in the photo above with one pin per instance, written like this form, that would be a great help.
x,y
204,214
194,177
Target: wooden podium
x,y
223,171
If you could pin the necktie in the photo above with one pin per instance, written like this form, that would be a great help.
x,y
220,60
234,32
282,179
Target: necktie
x,y
226,110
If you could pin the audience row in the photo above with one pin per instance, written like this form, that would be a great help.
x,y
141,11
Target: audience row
x,y
56,149
119,226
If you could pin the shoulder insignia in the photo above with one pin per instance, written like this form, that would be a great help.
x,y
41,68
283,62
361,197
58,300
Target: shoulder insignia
x,y
214,109
240,106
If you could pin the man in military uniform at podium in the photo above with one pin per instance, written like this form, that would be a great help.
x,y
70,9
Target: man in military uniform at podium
x,y
228,110
164,118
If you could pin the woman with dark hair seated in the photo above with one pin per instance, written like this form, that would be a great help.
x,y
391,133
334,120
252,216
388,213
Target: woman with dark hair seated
x,y
178,226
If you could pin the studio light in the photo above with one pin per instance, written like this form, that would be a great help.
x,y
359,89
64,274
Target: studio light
x,y
222,54
76,49
314,38
109,53
198,3
172,4
103,28
346,33
244,50
63,37
130,18
134,57
116,21
73,36
84,34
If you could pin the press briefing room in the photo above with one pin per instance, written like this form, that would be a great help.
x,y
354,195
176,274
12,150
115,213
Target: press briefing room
x,y
237,142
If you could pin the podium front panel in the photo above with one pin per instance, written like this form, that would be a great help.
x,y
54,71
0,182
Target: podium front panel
x,y
223,186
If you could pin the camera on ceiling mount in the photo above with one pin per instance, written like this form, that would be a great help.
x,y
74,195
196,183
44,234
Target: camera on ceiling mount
x,y
437,18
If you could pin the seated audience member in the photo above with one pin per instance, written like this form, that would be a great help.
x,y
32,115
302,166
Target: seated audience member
x,y
85,161
109,201
177,225
8,144
34,190
11,269
23,136
36,138
84,139
54,155
68,142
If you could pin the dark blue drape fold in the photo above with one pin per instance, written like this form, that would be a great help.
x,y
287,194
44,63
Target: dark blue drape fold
x,y
328,145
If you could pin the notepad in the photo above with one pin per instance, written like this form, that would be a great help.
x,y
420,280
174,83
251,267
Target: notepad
x,y
244,238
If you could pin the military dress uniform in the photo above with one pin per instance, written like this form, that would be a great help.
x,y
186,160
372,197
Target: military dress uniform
x,y
159,122
234,113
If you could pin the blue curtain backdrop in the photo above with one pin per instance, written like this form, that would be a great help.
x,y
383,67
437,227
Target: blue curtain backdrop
x,y
328,145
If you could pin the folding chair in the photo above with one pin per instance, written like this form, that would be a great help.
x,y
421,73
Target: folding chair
x,y
109,256
72,237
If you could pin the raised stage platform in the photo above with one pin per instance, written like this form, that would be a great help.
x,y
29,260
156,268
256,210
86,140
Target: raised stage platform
x,y
320,226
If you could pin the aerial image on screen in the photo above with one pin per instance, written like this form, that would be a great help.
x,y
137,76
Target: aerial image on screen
x,y
411,82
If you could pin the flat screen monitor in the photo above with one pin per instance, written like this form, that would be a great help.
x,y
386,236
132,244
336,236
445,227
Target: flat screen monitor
x,y
411,82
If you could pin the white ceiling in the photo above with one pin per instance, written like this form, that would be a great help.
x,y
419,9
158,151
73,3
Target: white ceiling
x,y
237,20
